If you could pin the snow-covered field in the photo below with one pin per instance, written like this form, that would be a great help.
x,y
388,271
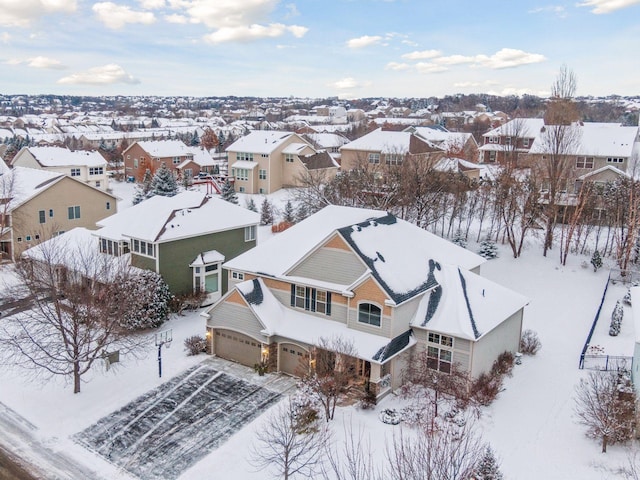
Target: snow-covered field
x,y
531,426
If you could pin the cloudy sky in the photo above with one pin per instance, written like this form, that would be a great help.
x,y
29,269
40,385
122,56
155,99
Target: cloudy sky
x,y
317,48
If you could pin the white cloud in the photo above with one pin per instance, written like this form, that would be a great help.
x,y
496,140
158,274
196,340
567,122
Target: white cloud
x,y
348,83
364,41
558,10
152,4
220,14
254,32
422,55
509,58
411,43
292,10
607,6
22,13
5,37
175,18
474,84
397,66
38,62
425,67
105,75
505,58
117,16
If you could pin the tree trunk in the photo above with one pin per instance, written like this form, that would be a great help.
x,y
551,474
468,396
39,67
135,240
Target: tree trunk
x,y
76,377
604,443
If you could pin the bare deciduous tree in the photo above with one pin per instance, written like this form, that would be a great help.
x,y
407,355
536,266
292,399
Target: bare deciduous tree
x,y
77,312
354,461
287,447
605,404
332,372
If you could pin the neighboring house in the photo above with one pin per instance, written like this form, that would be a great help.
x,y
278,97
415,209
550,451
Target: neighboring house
x,y
36,205
184,238
509,141
456,144
382,147
178,157
330,142
86,166
386,286
264,161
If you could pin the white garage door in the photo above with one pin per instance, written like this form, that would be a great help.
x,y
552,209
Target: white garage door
x,y
294,360
235,346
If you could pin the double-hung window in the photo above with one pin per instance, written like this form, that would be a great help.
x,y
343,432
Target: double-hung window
x,y
74,212
369,313
311,299
75,172
249,233
374,158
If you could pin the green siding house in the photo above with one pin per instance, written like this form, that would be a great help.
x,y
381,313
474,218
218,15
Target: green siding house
x,y
184,238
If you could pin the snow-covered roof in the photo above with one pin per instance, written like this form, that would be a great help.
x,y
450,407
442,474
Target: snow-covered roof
x,y
206,258
397,253
465,305
260,141
635,311
3,167
302,327
295,148
244,164
165,148
187,214
522,127
63,157
442,136
78,250
383,141
606,168
22,183
327,140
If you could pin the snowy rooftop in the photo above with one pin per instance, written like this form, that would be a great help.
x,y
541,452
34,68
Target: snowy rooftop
x,y
260,141
205,258
165,148
522,127
22,184
381,141
446,138
465,305
305,328
187,214
396,252
62,157
295,148
328,140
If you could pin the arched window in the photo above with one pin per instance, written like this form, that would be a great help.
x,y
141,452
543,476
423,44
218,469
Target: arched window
x,y
369,313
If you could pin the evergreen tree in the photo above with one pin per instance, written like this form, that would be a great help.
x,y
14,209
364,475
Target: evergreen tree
x,y
627,297
153,300
266,212
596,261
251,205
229,193
459,239
488,249
616,319
195,140
488,468
143,189
289,215
302,212
164,183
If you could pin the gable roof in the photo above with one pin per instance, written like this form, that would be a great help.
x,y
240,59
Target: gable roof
x,y
187,214
63,157
165,148
311,329
465,305
22,184
442,136
397,253
606,168
318,160
260,141
385,141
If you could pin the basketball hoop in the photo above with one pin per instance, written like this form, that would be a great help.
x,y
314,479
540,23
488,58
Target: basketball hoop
x,y
162,338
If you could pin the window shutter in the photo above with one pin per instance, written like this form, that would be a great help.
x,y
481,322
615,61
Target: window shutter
x,y
313,299
328,303
293,295
307,297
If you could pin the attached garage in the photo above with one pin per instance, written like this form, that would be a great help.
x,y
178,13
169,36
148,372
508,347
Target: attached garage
x,y
237,347
293,359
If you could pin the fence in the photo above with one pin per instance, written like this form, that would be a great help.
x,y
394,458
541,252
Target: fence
x,y
625,277
606,363
593,325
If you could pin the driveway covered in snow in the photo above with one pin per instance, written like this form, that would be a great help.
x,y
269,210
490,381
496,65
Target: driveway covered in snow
x,y
164,432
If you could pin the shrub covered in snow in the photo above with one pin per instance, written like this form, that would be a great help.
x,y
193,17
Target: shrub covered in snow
x,y
459,239
529,343
503,364
488,249
596,261
616,319
488,467
152,299
485,388
627,297
390,416
195,345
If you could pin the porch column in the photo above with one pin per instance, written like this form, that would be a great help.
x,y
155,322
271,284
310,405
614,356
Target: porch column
x,y
374,376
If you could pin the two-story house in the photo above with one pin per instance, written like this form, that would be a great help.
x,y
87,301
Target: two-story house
x,y
36,205
178,157
379,283
506,143
184,238
455,144
86,166
387,148
264,161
